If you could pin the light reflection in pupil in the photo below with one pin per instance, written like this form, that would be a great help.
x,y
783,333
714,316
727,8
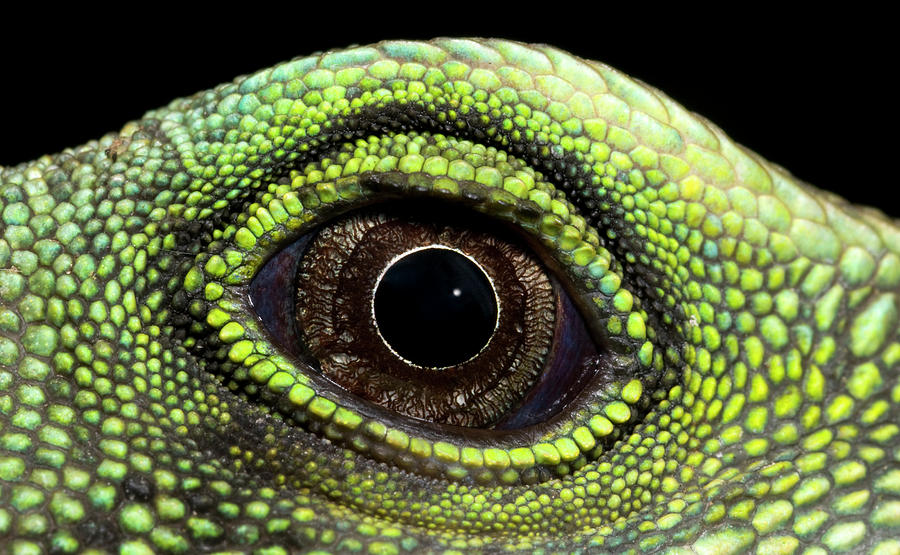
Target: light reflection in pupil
x,y
435,307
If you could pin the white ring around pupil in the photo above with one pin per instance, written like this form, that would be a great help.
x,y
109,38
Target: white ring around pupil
x,y
414,250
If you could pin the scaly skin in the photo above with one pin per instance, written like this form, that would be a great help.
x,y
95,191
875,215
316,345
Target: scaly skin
x,y
753,321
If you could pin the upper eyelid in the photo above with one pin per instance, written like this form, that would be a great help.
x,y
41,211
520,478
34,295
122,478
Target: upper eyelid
x,y
301,203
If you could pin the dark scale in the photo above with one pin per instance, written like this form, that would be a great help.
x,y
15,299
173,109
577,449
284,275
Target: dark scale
x,y
138,487
435,308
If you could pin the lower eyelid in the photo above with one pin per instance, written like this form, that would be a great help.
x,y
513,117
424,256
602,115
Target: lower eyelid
x,y
506,190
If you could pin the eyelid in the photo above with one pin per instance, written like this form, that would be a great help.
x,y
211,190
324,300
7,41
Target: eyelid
x,y
508,191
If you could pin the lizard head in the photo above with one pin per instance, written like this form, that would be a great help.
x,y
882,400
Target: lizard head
x,y
189,348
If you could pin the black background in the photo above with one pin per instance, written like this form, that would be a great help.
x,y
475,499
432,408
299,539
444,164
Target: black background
x,y
807,91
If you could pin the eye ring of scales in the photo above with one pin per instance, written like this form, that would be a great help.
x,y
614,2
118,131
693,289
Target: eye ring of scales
x,y
753,320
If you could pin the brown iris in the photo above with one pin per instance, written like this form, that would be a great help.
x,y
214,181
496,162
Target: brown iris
x,y
456,374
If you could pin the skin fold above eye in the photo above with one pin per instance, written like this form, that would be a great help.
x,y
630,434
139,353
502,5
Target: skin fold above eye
x,y
752,320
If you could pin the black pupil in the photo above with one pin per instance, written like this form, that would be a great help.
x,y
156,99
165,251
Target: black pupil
x,y
435,308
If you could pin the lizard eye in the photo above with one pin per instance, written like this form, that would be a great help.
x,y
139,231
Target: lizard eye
x,y
557,361
435,317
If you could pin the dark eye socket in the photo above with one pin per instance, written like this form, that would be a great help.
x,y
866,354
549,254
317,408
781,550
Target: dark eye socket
x,y
433,316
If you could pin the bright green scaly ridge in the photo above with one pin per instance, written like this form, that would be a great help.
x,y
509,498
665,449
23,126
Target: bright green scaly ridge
x,y
144,409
